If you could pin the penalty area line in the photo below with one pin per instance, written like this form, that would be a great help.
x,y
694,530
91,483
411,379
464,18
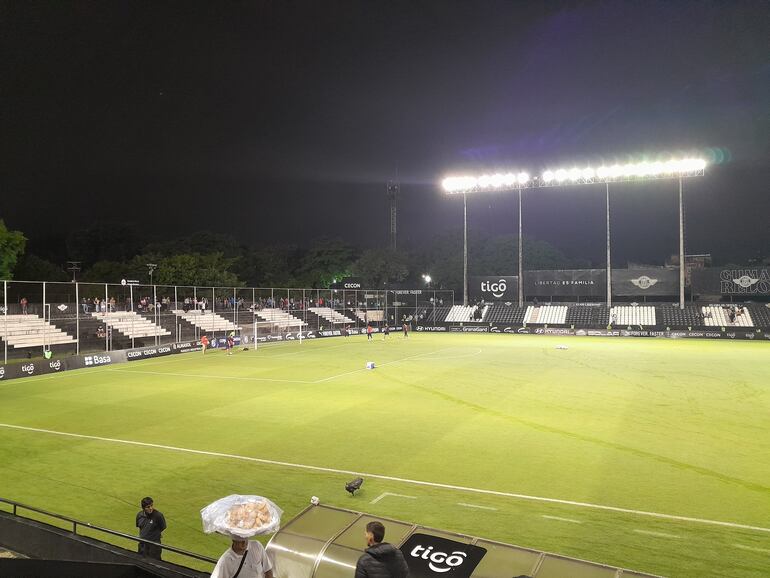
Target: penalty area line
x,y
423,483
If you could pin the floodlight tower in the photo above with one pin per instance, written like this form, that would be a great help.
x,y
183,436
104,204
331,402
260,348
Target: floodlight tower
x,y
563,177
393,200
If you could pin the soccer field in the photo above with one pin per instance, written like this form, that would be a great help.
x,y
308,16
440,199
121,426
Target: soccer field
x,y
647,454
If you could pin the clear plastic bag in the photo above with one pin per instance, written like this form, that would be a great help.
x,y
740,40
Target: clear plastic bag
x,y
241,516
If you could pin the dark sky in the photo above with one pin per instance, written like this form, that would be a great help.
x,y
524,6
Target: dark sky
x,y
283,121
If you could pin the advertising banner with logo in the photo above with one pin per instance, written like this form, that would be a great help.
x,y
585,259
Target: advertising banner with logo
x,y
643,282
149,352
744,282
431,556
348,283
96,359
500,288
30,368
571,283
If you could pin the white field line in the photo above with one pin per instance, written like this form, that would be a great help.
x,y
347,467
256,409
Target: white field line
x,y
445,357
657,534
464,505
204,376
402,480
557,518
386,494
752,548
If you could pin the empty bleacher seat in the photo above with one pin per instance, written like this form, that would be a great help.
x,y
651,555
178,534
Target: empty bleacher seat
x,y
727,316
131,324
279,317
332,316
632,315
207,321
31,331
546,315
505,314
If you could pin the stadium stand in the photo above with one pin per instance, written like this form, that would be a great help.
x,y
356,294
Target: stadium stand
x,y
465,313
208,321
435,315
332,316
587,316
279,317
31,331
505,313
633,315
366,315
673,316
546,315
760,314
726,316
131,324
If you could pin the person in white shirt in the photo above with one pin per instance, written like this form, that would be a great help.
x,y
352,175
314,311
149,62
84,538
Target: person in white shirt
x,y
244,559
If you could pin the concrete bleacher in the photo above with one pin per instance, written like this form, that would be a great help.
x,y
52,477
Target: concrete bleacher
x,y
719,316
465,313
279,317
546,315
505,313
674,316
587,315
332,316
760,315
31,331
131,324
373,315
207,321
633,315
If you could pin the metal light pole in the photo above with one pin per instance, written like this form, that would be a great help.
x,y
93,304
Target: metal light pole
x,y
521,257
609,262
681,246
465,249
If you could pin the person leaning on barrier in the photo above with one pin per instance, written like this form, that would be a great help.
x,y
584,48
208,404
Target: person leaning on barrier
x,y
151,524
244,559
380,559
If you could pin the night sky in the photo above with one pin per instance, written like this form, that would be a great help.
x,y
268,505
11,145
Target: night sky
x,y
283,121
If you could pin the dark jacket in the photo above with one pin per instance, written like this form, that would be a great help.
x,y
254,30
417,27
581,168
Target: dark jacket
x,y
382,561
150,527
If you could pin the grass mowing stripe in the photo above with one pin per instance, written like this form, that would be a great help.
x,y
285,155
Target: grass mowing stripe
x,y
402,480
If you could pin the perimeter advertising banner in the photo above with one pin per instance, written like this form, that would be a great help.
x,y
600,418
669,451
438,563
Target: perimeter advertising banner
x,y
498,288
644,282
570,283
722,281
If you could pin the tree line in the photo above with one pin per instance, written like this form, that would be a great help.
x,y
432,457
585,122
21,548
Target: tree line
x,y
109,252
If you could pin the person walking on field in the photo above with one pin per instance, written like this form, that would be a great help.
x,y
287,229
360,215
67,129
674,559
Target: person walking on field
x,y
385,332
380,559
369,331
204,343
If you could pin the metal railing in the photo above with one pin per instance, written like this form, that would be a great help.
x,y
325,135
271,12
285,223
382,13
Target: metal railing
x,y
78,523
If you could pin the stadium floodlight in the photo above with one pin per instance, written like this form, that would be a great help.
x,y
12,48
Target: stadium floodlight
x,y
575,175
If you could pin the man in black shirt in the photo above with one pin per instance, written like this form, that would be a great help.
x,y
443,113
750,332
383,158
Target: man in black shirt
x,y
151,524
380,559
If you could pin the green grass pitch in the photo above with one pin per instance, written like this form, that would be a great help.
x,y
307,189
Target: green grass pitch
x,y
680,428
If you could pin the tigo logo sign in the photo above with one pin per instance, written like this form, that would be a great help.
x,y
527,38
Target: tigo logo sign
x,y
431,556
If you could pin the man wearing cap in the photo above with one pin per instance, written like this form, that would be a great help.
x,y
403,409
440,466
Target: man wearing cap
x,y
244,559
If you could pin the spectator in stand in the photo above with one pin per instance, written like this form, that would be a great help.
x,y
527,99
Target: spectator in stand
x,y
23,303
84,305
151,524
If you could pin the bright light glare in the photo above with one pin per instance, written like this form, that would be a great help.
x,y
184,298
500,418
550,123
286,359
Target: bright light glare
x,y
644,169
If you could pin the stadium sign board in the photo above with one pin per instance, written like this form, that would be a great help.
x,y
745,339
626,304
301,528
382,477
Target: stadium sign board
x,y
430,556
645,282
743,281
495,288
566,283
